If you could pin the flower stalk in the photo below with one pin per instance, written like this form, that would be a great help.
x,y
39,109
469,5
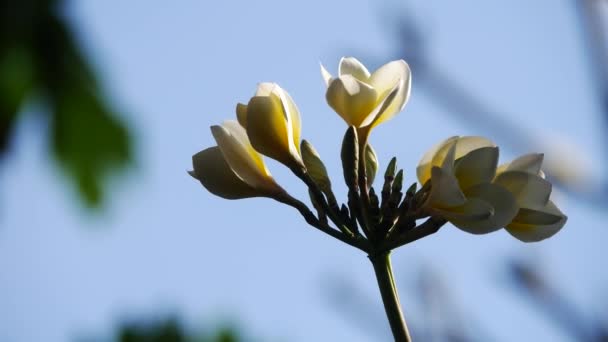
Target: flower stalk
x,y
390,298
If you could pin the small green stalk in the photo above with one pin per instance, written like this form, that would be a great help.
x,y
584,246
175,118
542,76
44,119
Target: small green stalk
x,y
390,297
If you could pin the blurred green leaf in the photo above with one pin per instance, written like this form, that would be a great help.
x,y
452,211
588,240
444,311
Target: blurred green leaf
x,y
39,56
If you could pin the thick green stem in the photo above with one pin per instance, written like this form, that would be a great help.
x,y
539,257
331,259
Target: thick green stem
x,y
390,297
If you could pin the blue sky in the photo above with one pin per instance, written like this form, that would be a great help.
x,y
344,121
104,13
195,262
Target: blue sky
x,y
166,245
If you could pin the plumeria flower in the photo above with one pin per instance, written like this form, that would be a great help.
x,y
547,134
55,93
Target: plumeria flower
x,y
273,125
460,171
233,169
365,100
537,217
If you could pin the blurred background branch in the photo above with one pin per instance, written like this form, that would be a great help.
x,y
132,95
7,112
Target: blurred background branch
x,y
411,42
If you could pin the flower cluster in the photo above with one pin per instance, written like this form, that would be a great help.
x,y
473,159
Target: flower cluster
x,y
461,181
469,189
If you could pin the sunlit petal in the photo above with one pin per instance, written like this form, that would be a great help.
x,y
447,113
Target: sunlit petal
x,y
243,160
267,128
423,171
326,75
387,76
352,66
381,109
265,88
294,122
396,104
352,99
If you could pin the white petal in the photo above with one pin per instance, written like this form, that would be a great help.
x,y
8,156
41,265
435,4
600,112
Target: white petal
x,y
478,166
211,169
467,144
326,75
382,108
529,163
396,103
292,117
423,171
352,66
473,209
534,233
444,158
536,217
502,202
445,191
265,88
530,191
352,99
385,77
246,163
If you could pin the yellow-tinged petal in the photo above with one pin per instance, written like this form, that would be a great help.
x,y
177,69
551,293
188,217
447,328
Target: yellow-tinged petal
x,y
533,232
241,114
352,66
503,205
211,169
265,88
387,76
445,157
382,108
530,191
326,75
467,144
423,171
397,102
478,166
445,191
294,122
352,99
267,128
246,163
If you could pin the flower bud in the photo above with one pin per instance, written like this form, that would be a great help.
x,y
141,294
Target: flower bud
x,y
315,167
233,169
273,125
460,171
350,158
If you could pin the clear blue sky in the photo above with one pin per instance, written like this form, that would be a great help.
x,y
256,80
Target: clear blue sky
x,y
166,245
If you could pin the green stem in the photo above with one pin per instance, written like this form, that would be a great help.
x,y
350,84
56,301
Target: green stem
x,y
390,297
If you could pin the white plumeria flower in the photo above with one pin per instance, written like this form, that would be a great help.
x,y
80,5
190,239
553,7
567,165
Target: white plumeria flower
x,y
365,100
233,169
460,171
538,217
273,124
